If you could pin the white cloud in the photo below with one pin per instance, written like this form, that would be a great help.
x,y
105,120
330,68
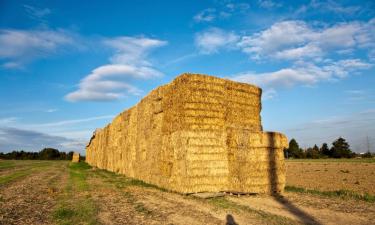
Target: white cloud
x,y
206,15
110,82
269,94
51,110
8,120
303,74
69,122
224,10
18,47
291,40
21,139
268,4
332,6
213,39
37,12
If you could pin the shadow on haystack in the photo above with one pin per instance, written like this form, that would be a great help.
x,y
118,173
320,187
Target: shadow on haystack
x,y
230,220
288,205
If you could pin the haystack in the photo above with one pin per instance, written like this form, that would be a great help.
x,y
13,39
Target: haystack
x,y
196,134
75,157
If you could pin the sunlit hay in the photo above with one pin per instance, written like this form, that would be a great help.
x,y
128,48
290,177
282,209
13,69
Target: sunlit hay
x,y
197,134
75,157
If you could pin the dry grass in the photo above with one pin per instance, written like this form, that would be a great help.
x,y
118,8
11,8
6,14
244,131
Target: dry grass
x,y
331,176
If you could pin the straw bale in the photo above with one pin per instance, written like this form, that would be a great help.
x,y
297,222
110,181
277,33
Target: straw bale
x,y
196,134
75,157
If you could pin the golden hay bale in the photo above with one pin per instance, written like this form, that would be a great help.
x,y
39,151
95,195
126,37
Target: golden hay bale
x,y
75,157
197,134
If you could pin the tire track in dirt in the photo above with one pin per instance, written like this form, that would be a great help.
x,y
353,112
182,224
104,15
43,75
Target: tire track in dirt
x,y
30,200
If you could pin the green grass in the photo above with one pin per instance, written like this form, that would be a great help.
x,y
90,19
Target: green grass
x,y
76,207
27,169
14,176
361,160
224,203
121,182
5,164
345,194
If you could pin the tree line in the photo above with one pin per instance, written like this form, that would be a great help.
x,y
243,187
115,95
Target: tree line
x,y
340,149
44,154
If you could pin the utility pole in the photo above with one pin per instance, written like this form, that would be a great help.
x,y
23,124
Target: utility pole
x,y
368,144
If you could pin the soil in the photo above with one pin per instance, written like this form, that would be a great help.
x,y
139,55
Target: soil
x,y
332,176
33,199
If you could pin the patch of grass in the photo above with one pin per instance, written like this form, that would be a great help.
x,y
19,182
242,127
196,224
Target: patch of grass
x,y
224,203
14,176
5,164
355,160
75,208
63,213
346,194
121,181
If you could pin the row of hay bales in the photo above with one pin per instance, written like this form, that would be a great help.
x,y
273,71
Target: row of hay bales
x,y
197,134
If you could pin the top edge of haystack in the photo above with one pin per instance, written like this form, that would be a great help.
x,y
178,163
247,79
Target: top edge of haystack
x,y
214,79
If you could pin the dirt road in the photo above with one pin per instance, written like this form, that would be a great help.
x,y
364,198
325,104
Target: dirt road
x,y
64,193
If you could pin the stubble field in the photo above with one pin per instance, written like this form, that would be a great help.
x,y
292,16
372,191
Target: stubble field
x,y
59,192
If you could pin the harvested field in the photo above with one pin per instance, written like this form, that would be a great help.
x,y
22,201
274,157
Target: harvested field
x,y
332,175
61,192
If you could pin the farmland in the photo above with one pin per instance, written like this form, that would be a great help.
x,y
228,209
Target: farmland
x,y
59,192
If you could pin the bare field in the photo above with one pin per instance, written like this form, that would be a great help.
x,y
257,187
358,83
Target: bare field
x,y
332,175
60,192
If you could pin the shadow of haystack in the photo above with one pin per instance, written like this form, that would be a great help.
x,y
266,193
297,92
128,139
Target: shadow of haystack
x,y
287,204
230,220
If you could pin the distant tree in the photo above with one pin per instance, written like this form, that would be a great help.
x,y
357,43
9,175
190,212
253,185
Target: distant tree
x,y
70,155
294,150
49,154
367,155
45,154
313,153
325,151
341,149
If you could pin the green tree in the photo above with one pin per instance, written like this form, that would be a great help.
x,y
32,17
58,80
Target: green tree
x,y
341,149
324,150
49,154
313,153
294,150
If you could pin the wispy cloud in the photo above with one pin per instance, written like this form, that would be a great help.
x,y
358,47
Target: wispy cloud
x,y
306,41
354,127
8,120
222,11
19,47
110,81
328,6
37,13
70,122
206,15
51,110
269,4
213,39
303,74
20,139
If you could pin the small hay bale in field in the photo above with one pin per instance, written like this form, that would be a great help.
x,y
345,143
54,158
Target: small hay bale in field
x,y
196,134
75,157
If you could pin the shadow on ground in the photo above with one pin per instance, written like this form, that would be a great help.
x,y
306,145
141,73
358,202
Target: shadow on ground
x,y
288,205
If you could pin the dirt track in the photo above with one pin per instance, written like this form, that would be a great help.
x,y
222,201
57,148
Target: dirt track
x,y
57,193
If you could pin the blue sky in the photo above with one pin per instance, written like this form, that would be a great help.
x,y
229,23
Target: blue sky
x,y
68,67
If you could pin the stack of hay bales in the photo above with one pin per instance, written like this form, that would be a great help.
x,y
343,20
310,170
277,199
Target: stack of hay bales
x,y
197,134
75,157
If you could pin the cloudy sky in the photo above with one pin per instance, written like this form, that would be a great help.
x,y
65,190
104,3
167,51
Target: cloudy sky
x,y
67,68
